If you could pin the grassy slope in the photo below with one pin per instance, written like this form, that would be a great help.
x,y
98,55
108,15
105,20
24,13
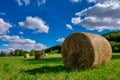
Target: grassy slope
x,y
51,68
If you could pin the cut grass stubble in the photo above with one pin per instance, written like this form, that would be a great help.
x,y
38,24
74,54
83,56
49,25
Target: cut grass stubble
x,y
51,68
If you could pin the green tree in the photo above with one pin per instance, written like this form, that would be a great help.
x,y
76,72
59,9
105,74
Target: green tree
x,y
16,52
2,53
11,53
32,52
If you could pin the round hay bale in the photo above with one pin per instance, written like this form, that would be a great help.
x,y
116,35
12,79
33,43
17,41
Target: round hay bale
x,y
26,55
46,54
39,54
85,50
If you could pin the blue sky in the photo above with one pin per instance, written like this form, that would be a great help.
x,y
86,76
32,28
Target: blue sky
x,y
37,24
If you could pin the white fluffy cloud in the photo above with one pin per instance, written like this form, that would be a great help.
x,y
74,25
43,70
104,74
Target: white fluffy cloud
x,y
16,39
60,40
4,26
15,42
39,46
21,2
41,2
21,32
75,1
103,15
69,27
36,24
97,1
28,2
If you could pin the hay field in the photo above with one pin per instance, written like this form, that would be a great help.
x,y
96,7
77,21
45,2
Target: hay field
x,y
51,68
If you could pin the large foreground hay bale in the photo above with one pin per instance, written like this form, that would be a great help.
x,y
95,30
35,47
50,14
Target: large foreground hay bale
x,y
39,54
85,50
26,55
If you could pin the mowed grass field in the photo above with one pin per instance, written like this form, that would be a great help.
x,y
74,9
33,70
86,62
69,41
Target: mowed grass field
x,y
51,68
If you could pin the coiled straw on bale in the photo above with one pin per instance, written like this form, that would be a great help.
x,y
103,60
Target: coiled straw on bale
x,y
26,55
39,54
85,50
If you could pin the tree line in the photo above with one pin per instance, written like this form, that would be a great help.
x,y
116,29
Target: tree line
x,y
114,39
52,50
16,52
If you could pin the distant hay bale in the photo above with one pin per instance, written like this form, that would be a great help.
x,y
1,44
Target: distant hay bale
x,y
26,55
39,54
46,54
85,50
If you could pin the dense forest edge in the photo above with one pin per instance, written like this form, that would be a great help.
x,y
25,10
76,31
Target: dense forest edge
x,y
52,50
112,37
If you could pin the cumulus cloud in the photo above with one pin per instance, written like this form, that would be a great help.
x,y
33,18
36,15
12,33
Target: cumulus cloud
x,y
15,42
39,46
41,2
21,2
69,27
60,40
4,26
75,1
21,32
16,39
97,1
36,24
28,2
103,15
91,0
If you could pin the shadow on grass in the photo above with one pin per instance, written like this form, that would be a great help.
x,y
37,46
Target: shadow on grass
x,y
45,60
116,56
48,69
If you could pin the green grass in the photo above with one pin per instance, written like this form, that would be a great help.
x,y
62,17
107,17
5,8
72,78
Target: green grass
x,y
51,68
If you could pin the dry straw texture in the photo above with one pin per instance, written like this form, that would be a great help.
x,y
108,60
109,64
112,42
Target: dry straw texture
x,y
26,55
85,50
39,54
